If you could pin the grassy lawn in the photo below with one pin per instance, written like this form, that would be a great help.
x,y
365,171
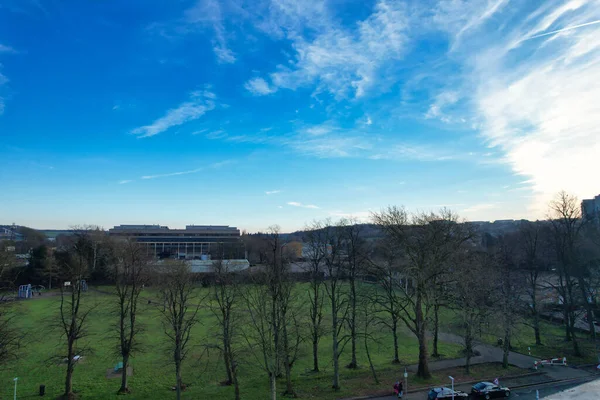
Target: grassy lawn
x,y
552,335
153,374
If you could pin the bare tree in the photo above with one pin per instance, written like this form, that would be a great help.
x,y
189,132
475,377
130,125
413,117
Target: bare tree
x,y
531,242
130,275
270,308
473,297
333,248
260,337
74,267
180,313
389,300
355,251
225,299
315,253
567,225
427,242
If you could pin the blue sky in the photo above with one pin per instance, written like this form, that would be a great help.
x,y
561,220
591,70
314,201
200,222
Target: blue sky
x,y
253,113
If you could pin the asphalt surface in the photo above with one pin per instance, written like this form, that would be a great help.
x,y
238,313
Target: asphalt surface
x,y
581,389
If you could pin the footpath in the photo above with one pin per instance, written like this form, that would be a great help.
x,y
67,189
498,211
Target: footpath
x,y
492,354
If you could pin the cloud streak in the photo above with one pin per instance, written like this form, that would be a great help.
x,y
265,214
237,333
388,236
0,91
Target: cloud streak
x,y
215,165
297,204
270,192
200,103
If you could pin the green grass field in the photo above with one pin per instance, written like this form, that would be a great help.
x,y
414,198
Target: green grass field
x,y
153,373
552,335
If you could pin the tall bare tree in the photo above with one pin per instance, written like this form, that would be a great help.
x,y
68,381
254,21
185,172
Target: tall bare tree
x,y
427,241
180,313
385,267
274,339
225,300
355,252
473,297
532,239
567,226
131,273
333,248
315,253
74,267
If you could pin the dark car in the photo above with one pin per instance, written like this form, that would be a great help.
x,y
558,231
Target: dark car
x,y
445,393
489,390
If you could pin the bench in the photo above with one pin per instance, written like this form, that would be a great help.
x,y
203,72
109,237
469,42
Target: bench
x,y
119,366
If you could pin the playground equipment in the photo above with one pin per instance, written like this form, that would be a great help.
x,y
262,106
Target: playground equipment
x,y
551,361
25,292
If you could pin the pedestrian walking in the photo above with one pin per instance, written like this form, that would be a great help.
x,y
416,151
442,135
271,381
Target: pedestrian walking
x,y
397,388
400,390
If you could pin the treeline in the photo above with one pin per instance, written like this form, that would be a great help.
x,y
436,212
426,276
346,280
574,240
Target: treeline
x,y
356,287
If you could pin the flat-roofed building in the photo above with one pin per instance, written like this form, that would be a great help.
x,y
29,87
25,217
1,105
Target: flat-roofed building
x,y
195,242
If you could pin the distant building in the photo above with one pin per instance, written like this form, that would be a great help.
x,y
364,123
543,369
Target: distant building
x,y
195,242
9,233
590,209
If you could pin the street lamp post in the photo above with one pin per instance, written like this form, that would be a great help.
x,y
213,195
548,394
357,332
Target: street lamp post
x,y
452,380
405,380
16,379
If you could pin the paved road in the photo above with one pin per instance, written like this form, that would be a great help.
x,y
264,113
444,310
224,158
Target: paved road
x,y
580,390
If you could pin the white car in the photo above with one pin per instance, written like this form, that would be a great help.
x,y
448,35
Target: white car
x,y
445,393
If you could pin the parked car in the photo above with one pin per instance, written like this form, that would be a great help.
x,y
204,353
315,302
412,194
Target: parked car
x,y
489,390
445,393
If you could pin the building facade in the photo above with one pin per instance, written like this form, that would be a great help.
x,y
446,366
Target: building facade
x,y
590,209
195,242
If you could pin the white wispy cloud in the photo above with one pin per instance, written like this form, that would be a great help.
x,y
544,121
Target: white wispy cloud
x,y
218,134
346,62
199,103
124,181
215,165
208,13
258,87
269,192
331,146
6,49
536,99
297,204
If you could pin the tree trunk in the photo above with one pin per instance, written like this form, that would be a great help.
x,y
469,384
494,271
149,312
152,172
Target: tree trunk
x,y
315,328
423,369
227,353
506,347
178,371
69,378
370,361
567,323
273,381
289,389
436,329
236,383
536,329
353,363
336,361
315,353
395,335
576,350
588,307
124,388
468,348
